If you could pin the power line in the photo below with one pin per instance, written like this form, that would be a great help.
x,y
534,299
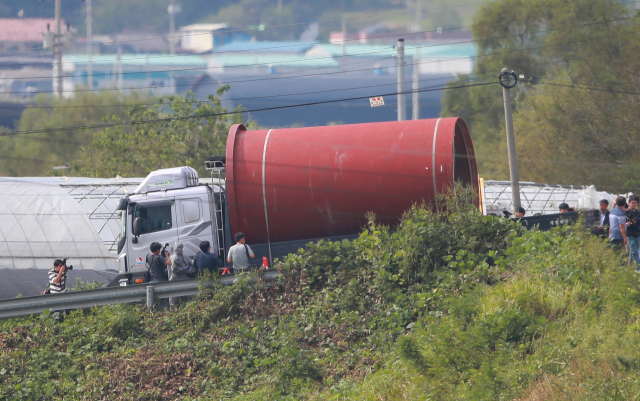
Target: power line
x,y
27,159
250,98
229,66
207,115
573,58
420,62
590,88
282,76
309,59
307,104
247,111
301,23
347,18
572,80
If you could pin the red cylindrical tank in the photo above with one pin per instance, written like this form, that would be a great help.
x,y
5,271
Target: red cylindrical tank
x,y
302,183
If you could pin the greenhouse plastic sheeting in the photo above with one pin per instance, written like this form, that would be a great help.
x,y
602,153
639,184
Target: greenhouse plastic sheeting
x,y
542,198
42,219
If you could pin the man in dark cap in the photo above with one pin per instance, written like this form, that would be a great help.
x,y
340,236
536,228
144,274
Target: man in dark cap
x,y
520,212
564,208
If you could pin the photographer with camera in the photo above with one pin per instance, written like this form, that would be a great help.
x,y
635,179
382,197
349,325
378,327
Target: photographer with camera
x,y
58,277
157,263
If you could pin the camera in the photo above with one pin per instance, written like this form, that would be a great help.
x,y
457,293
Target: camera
x,y
64,262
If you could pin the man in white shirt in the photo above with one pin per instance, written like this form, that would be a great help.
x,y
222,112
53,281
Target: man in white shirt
x,y
240,254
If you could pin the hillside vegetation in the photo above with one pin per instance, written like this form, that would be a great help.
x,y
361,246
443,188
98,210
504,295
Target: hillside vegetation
x,y
448,305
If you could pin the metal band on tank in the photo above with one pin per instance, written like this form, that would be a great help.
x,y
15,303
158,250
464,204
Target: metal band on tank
x,y
433,157
264,192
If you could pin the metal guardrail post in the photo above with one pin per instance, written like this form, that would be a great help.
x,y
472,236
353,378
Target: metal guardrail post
x,y
150,297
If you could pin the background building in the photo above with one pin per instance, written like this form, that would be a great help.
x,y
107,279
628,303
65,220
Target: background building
x,y
200,38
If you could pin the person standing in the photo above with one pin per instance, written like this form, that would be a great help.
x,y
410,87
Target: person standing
x,y
205,260
240,254
157,267
178,271
618,224
603,220
633,233
58,278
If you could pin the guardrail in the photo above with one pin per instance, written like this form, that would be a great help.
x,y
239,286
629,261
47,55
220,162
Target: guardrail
x,y
18,307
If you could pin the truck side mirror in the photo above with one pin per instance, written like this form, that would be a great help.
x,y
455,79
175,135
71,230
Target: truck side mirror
x,y
137,226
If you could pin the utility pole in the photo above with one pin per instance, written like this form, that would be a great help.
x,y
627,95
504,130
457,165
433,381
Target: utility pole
x,y
507,84
415,102
89,48
402,100
408,16
120,80
57,48
344,44
419,16
172,26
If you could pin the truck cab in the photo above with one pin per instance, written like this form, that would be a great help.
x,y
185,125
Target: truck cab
x,y
170,205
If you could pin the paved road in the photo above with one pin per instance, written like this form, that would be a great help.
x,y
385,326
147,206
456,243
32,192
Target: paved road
x,y
30,282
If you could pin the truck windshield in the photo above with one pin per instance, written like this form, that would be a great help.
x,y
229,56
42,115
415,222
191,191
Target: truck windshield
x,y
123,230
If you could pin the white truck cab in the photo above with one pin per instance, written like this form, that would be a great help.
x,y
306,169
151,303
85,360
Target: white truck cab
x,y
169,205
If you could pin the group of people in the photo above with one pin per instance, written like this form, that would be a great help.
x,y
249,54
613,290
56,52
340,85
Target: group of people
x,y
622,226
520,211
166,267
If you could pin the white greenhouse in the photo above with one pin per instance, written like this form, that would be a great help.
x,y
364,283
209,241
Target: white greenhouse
x,y
46,218
541,198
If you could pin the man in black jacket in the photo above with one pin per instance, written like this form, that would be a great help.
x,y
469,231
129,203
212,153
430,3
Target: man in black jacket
x,y
158,267
603,219
206,260
633,232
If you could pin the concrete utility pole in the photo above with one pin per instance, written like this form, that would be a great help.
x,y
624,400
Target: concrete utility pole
x,y
505,81
402,100
172,26
344,44
57,48
419,15
120,80
415,102
408,16
89,47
